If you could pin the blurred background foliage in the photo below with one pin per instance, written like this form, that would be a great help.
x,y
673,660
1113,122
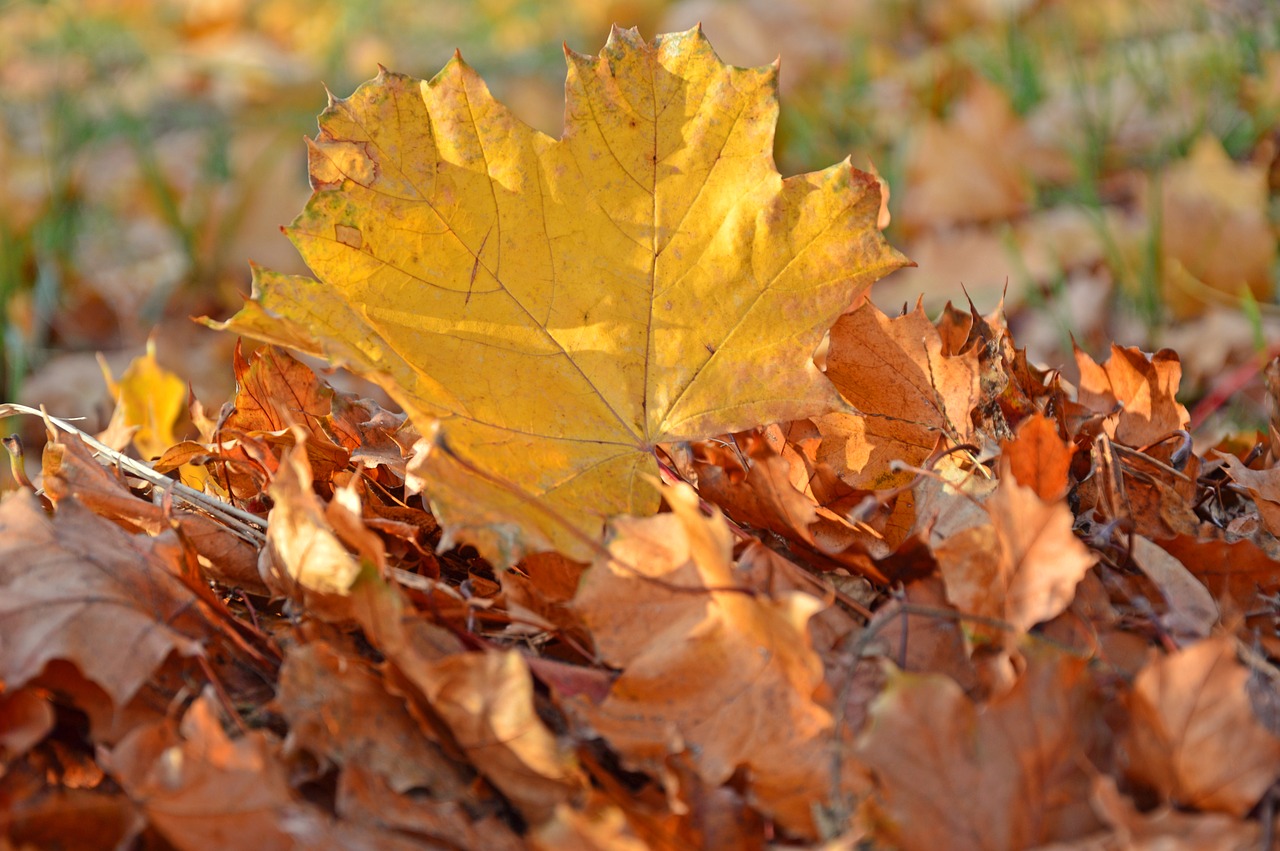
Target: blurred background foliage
x,y
1109,167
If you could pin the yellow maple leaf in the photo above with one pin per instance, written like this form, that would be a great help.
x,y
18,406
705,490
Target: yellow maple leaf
x,y
149,402
561,307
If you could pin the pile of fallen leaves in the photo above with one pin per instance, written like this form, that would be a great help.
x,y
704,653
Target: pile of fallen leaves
x,y
635,567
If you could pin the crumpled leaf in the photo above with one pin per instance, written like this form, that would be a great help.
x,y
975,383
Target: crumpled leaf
x,y
1022,567
565,306
77,587
485,699
906,390
731,677
1007,775
340,711
365,798
202,790
1194,735
1146,385
303,549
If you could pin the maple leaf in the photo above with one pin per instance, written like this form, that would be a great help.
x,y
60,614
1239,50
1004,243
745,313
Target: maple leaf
x,y
1194,735
149,402
77,587
564,306
1145,385
952,774
729,676
906,389
1022,567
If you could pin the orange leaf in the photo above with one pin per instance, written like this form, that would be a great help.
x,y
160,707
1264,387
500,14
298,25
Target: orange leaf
x,y
1039,459
727,675
1146,386
906,391
1022,567
77,587
1008,775
1193,734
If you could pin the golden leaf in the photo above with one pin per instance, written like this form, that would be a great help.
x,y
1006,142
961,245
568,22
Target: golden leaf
x,y
149,402
564,306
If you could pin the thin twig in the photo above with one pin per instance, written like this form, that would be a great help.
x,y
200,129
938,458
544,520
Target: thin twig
x,y
249,526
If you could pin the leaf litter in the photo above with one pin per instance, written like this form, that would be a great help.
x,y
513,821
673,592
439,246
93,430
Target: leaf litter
x,y
932,596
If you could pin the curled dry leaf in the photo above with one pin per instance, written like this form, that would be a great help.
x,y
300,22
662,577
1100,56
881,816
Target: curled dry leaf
x,y
202,790
1039,459
308,539
1191,612
953,774
339,710
77,587
26,717
1145,385
707,666
1022,567
1193,734
564,306
365,798
485,700
906,392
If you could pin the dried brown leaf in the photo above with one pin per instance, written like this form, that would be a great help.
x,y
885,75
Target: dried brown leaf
x,y
1022,567
908,394
729,676
1193,734
77,587
1145,385
1011,774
